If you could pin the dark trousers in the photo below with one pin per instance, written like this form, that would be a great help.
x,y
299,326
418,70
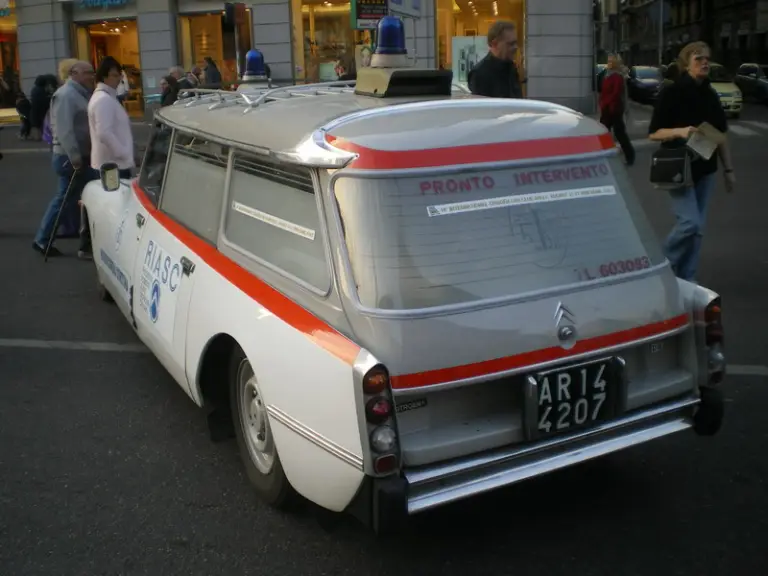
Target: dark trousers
x,y
64,171
26,127
615,123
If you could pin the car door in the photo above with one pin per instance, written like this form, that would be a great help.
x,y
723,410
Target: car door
x,y
118,243
164,280
166,265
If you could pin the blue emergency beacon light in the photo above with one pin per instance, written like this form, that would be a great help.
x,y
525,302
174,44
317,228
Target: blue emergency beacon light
x,y
254,66
390,44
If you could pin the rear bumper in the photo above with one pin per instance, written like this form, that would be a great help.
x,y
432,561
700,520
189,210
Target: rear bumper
x,y
389,501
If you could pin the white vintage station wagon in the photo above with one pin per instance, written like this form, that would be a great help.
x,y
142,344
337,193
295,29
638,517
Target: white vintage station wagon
x,y
396,295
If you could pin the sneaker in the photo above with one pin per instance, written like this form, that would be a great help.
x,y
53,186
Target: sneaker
x,y
83,255
53,252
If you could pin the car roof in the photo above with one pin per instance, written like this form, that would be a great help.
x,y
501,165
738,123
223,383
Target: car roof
x,y
285,123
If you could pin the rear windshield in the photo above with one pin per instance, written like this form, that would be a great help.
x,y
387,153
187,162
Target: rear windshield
x,y
648,73
422,242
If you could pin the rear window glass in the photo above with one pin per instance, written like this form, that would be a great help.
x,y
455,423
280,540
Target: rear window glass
x,y
422,242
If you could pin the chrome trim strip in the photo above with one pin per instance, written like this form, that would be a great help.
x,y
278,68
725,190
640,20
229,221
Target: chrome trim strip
x,y
315,437
442,386
642,427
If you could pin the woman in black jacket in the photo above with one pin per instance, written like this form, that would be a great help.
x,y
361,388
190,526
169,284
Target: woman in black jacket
x,y
683,106
40,99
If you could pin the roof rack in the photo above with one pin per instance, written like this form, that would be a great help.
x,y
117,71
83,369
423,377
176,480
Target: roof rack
x,y
216,98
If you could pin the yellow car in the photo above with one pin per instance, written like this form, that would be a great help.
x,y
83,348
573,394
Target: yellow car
x,y
722,83
730,95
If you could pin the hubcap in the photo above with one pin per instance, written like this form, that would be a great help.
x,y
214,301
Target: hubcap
x,y
253,418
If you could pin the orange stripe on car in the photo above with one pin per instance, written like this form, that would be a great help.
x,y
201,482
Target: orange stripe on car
x,y
276,302
537,356
372,159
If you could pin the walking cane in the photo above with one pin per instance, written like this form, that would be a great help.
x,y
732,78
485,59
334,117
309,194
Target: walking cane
x,y
58,216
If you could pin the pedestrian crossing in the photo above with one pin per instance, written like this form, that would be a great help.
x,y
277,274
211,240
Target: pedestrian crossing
x,y
736,128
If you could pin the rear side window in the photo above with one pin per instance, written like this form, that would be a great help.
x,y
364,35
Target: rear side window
x,y
272,214
194,187
429,241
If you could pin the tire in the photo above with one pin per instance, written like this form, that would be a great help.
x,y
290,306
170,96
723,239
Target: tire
x,y
709,417
254,436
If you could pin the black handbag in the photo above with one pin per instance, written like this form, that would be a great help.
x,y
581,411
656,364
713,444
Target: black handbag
x,y
671,168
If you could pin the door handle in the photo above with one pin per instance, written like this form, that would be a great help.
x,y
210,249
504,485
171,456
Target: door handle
x,y
140,220
187,266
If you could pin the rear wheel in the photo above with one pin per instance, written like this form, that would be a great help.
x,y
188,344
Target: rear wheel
x,y
254,435
709,417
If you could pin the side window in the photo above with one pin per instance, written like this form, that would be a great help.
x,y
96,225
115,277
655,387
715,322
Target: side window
x,y
153,166
194,187
272,214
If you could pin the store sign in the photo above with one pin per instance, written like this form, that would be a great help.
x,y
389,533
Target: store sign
x,y
102,3
409,8
367,13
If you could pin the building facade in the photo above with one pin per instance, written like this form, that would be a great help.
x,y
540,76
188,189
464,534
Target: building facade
x,y
302,40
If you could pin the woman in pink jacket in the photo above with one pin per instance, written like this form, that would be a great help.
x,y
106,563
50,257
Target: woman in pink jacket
x,y
111,136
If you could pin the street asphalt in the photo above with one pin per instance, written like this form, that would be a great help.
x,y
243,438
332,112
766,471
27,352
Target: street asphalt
x,y
106,466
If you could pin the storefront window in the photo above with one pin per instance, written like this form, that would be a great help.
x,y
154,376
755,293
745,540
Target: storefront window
x,y
462,29
118,38
324,36
9,55
210,35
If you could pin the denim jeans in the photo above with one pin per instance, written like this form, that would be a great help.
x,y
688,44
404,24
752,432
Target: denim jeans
x,y
683,244
64,171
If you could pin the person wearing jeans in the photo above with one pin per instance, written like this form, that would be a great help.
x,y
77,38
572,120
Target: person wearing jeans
x,y
683,106
71,153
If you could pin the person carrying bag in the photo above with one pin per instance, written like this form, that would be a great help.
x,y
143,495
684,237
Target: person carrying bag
x,y
689,178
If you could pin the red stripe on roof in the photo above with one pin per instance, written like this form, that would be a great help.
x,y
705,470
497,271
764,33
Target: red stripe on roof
x,y
372,159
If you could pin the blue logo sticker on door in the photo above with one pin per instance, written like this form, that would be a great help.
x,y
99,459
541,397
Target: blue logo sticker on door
x,y
154,301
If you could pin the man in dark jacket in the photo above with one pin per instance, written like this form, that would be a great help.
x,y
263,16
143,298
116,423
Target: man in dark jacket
x,y
496,75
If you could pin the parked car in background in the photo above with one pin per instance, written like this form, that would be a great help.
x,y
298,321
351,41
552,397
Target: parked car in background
x,y
729,93
752,80
644,83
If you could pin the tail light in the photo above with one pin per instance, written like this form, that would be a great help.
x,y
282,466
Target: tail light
x,y
713,329
380,421
713,337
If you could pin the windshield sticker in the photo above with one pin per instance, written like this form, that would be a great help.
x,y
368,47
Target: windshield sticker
x,y
556,175
272,220
519,200
453,185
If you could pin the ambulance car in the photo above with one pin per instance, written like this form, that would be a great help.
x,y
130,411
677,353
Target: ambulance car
x,y
396,295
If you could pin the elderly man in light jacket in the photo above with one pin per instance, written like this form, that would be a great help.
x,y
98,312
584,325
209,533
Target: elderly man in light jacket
x,y
71,152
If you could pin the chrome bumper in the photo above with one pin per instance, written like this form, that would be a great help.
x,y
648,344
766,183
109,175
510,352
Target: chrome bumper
x,y
445,482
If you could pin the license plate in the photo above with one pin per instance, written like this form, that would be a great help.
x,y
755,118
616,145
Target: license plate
x,y
573,397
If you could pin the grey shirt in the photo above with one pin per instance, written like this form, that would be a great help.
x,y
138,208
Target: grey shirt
x,y
69,121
